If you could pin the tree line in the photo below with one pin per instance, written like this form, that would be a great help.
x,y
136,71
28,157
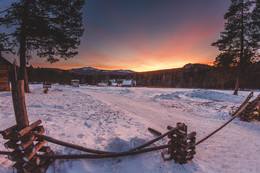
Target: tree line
x,y
200,76
64,77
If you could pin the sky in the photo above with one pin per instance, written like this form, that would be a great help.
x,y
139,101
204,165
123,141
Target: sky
x,y
145,35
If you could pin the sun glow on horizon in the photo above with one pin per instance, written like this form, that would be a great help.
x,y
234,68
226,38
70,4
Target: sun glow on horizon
x,y
139,68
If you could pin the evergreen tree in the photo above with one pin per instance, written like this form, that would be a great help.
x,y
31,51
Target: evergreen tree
x,y
256,27
237,43
49,28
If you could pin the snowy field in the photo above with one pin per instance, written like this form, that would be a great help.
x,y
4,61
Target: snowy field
x,y
116,119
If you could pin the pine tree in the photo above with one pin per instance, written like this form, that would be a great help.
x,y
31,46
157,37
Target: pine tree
x,y
237,43
49,28
256,27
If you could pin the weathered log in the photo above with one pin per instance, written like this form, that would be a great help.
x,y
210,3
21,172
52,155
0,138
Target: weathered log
x,y
190,135
5,152
243,104
44,164
59,142
28,128
154,140
39,129
169,127
35,161
157,133
11,144
180,133
45,149
29,167
182,126
15,155
18,167
12,136
102,156
8,131
27,143
46,160
36,148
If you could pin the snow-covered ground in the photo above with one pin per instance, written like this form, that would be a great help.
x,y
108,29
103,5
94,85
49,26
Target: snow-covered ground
x,y
116,119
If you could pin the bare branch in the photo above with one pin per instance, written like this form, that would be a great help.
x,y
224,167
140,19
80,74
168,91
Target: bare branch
x,y
6,10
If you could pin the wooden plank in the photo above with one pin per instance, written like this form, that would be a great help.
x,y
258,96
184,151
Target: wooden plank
x,y
5,74
2,65
15,155
3,71
37,147
190,135
153,131
34,162
3,68
4,80
59,142
18,167
154,140
28,128
45,149
27,143
4,88
100,156
4,83
8,131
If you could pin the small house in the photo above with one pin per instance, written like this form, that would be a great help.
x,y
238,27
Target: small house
x,y
103,84
75,82
4,77
128,83
113,83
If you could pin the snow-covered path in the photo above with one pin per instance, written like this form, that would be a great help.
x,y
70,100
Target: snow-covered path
x,y
116,119
148,111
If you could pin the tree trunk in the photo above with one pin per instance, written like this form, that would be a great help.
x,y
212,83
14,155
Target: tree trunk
x,y
19,101
237,85
22,72
26,82
240,65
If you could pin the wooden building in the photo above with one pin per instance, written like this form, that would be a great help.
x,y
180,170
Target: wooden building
x,y
4,69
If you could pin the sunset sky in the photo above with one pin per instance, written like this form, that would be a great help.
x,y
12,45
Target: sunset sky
x,y
144,35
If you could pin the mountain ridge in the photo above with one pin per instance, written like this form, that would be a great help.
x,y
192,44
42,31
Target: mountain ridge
x,y
91,70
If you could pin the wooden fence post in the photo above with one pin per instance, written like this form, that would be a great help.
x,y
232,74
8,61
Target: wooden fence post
x,y
19,100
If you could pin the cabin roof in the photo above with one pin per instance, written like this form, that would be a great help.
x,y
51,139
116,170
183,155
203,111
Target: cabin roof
x,y
5,61
74,80
127,82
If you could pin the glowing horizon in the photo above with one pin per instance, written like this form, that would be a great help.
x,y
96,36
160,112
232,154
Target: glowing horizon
x,y
152,68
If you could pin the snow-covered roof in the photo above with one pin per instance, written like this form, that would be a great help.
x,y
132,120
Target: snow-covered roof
x,y
74,80
102,84
114,83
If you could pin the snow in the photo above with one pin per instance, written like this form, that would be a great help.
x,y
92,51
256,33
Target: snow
x,y
116,119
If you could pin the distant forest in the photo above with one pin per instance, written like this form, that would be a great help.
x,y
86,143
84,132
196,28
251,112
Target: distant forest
x,y
190,76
